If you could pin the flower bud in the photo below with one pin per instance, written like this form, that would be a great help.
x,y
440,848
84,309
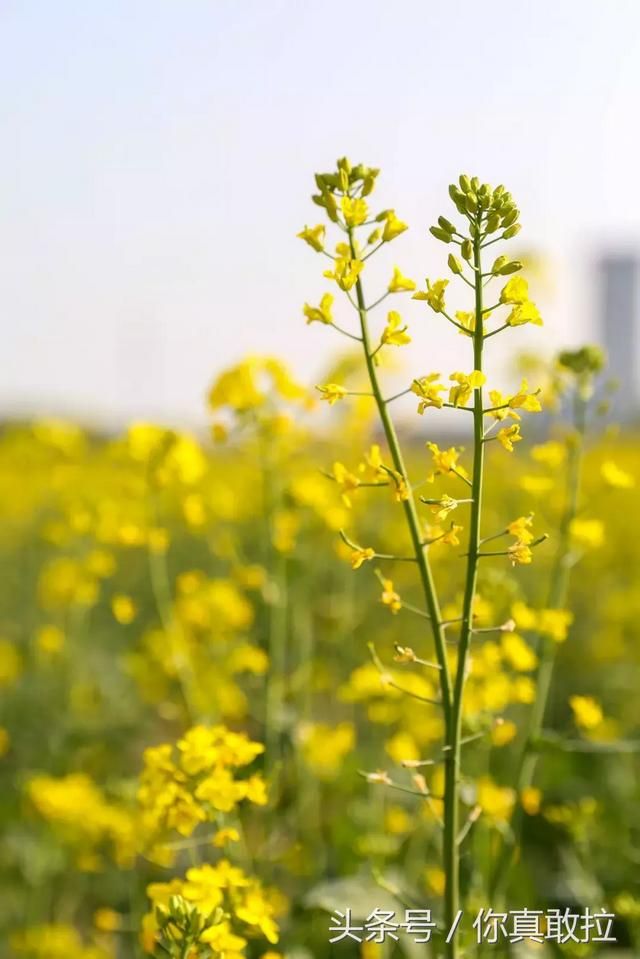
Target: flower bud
x,y
493,222
344,181
475,184
446,224
454,264
467,249
511,217
343,164
499,263
367,185
465,183
471,203
440,234
512,231
511,267
497,193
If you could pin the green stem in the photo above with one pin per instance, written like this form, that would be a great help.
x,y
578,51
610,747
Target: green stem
x,y
409,505
557,599
452,767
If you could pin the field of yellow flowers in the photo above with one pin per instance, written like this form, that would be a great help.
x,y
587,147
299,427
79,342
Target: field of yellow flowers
x,y
220,722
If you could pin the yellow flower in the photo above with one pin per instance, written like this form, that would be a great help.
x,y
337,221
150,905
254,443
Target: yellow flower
x,y
460,394
354,210
435,879
509,435
372,469
555,623
615,477
394,334
526,312
401,747
521,528
107,920
314,236
520,554
427,388
225,835
434,295
516,291
467,319
444,506
503,733
399,283
393,227
346,481
346,271
332,392
10,663
325,747
588,533
361,555
552,454
495,801
50,639
124,609
397,821
531,800
587,712
389,597
256,911
451,537
321,313
445,461
518,653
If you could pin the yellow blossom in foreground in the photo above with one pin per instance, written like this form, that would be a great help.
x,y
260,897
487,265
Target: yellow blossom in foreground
x,y
321,313
509,435
587,712
615,477
445,461
467,320
393,226
389,597
520,554
346,481
516,291
531,800
460,394
346,271
314,236
400,283
526,312
354,210
434,295
361,555
521,528
588,533
332,392
394,334
444,506
451,538
428,389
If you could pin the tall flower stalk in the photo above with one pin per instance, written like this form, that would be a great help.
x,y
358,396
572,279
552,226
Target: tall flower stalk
x,y
489,215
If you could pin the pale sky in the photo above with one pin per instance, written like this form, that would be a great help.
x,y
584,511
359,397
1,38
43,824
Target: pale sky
x,y
158,156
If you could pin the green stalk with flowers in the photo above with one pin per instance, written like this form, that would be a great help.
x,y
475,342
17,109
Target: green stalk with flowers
x,y
489,215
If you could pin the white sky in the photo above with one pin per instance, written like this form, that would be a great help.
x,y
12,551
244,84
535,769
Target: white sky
x,y
158,158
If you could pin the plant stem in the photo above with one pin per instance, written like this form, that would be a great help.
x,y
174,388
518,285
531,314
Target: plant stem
x,y
452,767
409,506
557,599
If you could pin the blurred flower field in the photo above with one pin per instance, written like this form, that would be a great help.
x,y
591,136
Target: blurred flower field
x,y
219,720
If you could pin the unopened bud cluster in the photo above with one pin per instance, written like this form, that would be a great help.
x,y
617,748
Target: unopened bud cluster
x,y
181,927
487,209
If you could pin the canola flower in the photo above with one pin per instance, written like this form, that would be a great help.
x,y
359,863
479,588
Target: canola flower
x,y
485,211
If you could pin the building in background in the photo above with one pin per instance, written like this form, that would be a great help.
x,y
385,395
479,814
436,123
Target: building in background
x,y
619,280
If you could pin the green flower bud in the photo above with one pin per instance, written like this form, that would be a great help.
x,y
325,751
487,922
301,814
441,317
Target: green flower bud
x,y
471,203
473,230
588,359
475,184
485,190
440,234
511,267
493,222
343,164
465,183
454,264
511,232
499,263
499,190
331,208
511,217
467,249
368,184
382,216
446,224
344,181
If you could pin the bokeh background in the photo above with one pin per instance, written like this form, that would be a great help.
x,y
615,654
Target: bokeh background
x,y
157,164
